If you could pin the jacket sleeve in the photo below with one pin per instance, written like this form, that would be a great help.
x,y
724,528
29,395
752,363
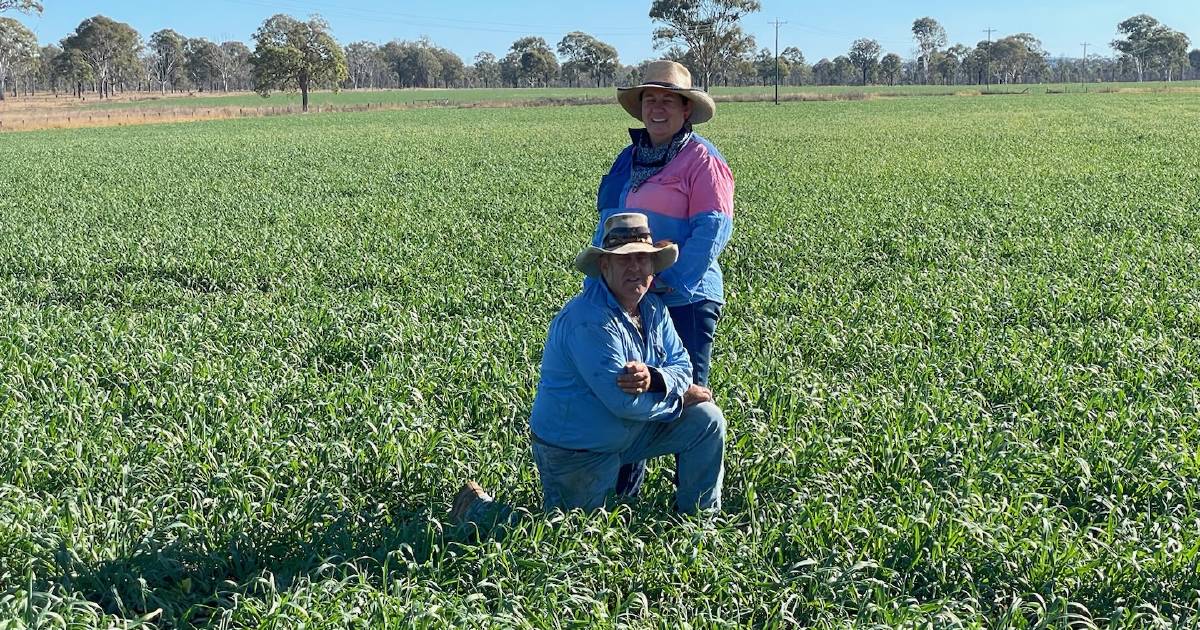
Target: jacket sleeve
x,y
710,224
595,350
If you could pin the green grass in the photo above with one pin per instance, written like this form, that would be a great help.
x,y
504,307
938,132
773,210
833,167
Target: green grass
x,y
393,97
244,365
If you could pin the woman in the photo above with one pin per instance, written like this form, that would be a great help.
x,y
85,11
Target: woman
x,y
685,188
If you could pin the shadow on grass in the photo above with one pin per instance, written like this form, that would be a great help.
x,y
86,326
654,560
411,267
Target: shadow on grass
x,y
193,582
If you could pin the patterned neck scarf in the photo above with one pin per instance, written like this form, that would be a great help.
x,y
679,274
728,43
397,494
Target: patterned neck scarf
x,y
648,159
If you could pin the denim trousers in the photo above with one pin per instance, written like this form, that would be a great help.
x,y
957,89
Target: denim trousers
x,y
588,480
696,325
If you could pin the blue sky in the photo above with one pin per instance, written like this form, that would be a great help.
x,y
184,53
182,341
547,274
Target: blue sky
x,y
819,29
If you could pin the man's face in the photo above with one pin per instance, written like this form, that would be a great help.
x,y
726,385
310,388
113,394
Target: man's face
x,y
664,113
628,275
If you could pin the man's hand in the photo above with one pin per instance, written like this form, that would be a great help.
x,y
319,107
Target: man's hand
x,y
635,380
696,394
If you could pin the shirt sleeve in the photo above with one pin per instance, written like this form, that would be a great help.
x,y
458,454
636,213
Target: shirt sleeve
x,y
710,224
595,350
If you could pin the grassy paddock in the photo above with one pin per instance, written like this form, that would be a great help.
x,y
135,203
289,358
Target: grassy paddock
x,y
245,364
513,95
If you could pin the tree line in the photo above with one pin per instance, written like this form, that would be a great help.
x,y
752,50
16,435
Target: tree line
x,y
103,55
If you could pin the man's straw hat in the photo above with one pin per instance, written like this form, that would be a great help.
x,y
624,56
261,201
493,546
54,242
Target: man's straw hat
x,y
626,233
672,76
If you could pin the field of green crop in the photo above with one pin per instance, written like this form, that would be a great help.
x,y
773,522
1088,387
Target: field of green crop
x,y
245,365
346,98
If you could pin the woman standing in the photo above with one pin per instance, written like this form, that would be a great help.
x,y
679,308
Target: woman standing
x,y
685,188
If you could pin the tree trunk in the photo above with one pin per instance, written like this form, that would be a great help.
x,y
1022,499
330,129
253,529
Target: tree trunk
x,y
304,94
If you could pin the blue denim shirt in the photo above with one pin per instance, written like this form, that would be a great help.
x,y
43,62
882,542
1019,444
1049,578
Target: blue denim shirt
x,y
579,405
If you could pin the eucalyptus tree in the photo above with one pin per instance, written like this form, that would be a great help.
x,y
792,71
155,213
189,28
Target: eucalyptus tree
x,y
363,62
453,70
108,46
47,79
768,67
24,6
291,54
843,70
234,65
799,72
590,55
889,68
864,54
167,47
709,31
202,62
1150,44
18,46
71,66
823,72
487,69
930,37
534,62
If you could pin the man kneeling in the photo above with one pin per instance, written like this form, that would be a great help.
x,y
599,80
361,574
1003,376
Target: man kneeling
x,y
616,385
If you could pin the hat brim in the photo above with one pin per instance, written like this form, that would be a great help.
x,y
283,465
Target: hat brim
x,y
703,106
588,260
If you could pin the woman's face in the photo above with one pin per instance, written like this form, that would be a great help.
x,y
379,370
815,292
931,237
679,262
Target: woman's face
x,y
664,113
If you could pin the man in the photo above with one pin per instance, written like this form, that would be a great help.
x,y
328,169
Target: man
x,y
616,386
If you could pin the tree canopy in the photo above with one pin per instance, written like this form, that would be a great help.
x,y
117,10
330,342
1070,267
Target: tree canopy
x,y
24,6
1151,45
17,45
292,54
708,30
108,46
590,55
864,54
930,36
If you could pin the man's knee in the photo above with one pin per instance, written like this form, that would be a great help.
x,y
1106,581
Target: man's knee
x,y
708,415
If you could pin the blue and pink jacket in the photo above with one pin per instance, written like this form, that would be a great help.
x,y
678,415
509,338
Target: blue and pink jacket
x,y
688,202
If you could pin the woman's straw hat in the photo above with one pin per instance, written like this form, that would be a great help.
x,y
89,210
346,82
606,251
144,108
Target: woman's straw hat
x,y
672,76
626,233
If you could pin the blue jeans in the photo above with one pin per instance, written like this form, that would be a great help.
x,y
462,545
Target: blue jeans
x,y
696,325
587,479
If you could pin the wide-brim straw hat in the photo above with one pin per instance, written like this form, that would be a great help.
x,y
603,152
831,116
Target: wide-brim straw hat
x,y
626,233
673,76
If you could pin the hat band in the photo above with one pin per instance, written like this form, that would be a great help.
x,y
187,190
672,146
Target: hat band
x,y
621,236
666,84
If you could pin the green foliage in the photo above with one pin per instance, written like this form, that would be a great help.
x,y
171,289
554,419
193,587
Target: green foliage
x,y
1151,45
18,45
243,373
24,6
590,55
864,54
167,46
708,32
290,54
109,48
